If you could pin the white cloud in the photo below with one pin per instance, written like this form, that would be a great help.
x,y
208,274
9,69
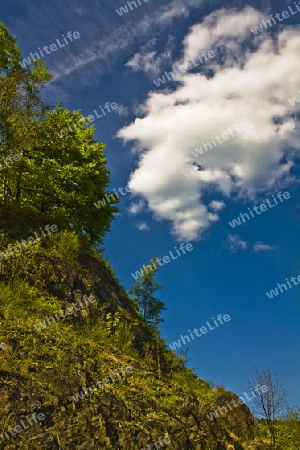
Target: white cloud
x,y
246,85
234,243
81,10
216,205
122,37
140,61
222,27
105,37
261,247
149,61
122,111
135,208
176,9
142,226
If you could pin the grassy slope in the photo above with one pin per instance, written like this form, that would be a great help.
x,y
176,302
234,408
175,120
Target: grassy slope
x,y
41,371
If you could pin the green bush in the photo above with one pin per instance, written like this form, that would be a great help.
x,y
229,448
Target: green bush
x,y
191,384
123,337
287,435
19,300
64,244
120,333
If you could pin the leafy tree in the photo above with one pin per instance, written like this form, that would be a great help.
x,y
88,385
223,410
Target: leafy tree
x,y
55,176
148,305
269,404
10,53
143,289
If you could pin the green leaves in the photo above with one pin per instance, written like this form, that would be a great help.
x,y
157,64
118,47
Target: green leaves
x,y
143,289
10,53
61,171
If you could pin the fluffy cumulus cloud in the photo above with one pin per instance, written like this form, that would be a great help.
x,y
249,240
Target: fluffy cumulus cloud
x,y
251,80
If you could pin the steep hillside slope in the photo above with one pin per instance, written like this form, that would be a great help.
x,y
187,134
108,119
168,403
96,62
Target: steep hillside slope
x,y
78,369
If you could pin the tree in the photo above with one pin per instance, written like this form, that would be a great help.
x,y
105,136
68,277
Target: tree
x,y
55,177
10,53
143,289
293,413
270,402
149,306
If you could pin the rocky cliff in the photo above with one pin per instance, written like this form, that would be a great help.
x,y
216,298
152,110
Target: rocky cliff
x,y
79,374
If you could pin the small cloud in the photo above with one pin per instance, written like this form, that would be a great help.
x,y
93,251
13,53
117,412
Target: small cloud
x,y
176,10
216,205
138,109
149,61
122,111
235,243
143,226
135,208
261,247
80,10
141,61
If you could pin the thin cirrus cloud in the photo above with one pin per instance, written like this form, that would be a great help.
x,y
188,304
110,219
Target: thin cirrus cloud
x,y
262,247
248,82
149,61
105,37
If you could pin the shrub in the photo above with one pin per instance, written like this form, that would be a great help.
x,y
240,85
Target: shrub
x,y
64,244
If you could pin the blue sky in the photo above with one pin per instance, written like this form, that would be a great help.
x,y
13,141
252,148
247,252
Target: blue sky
x,y
154,130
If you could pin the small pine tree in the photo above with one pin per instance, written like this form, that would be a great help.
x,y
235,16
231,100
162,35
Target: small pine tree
x,y
149,306
143,289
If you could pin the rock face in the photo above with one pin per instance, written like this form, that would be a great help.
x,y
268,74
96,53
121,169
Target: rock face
x,y
93,376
